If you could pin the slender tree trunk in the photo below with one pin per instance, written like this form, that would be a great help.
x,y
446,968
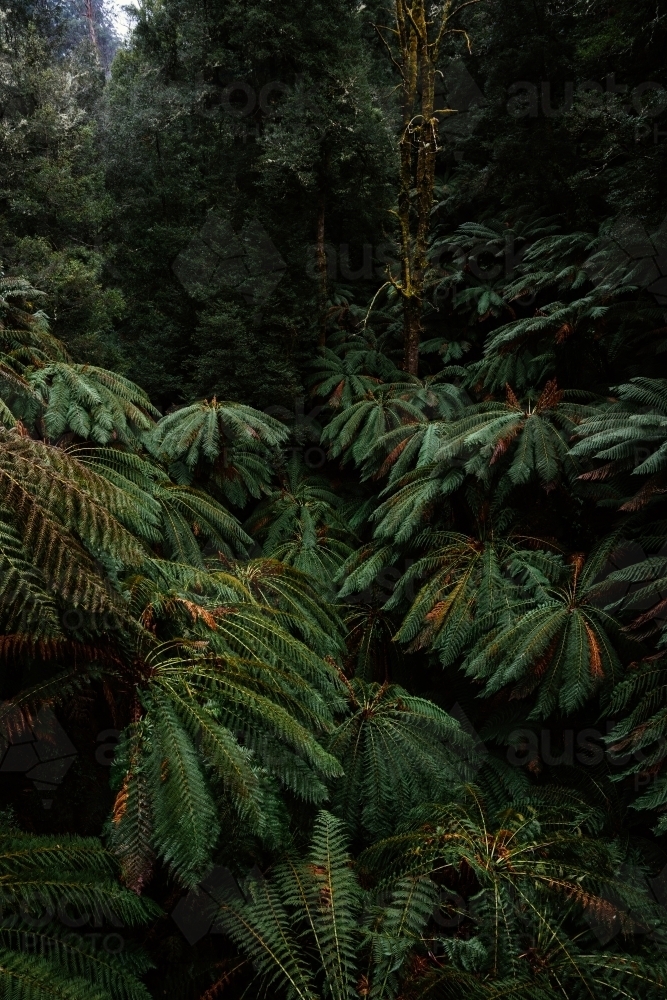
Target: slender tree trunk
x,y
322,269
414,45
412,331
91,27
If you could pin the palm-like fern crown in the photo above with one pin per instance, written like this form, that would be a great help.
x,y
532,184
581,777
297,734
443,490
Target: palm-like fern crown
x,y
521,440
576,276
482,290
343,380
375,428
94,404
82,400
534,434
232,707
559,643
468,578
396,751
229,442
184,516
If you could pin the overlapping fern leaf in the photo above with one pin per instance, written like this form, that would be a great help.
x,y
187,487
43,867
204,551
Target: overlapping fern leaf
x,y
25,339
629,434
185,516
301,523
638,742
396,751
342,378
62,516
47,390
46,885
526,898
210,728
373,430
300,926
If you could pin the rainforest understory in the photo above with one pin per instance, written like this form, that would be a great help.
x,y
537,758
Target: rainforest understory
x,y
333,500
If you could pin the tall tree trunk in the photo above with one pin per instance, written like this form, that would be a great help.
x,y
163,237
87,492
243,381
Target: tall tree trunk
x,y
414,46
323,292
91,27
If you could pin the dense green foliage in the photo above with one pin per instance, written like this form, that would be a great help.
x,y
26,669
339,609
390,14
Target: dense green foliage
x,y
333,668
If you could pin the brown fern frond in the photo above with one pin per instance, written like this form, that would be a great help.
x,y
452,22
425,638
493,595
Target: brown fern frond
x,y
551,395
595,657
511,398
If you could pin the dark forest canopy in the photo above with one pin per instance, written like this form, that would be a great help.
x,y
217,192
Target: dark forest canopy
x,y
333,538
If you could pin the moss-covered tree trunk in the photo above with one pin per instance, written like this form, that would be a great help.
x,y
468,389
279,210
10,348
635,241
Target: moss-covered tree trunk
x,y
417,42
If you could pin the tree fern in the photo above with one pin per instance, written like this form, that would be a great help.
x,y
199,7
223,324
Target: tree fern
x,y
631,433
237,708
92,403
228,443
301,523
532,886
297,595
396,751
343,380
532,436
561,647
310,928
467,578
